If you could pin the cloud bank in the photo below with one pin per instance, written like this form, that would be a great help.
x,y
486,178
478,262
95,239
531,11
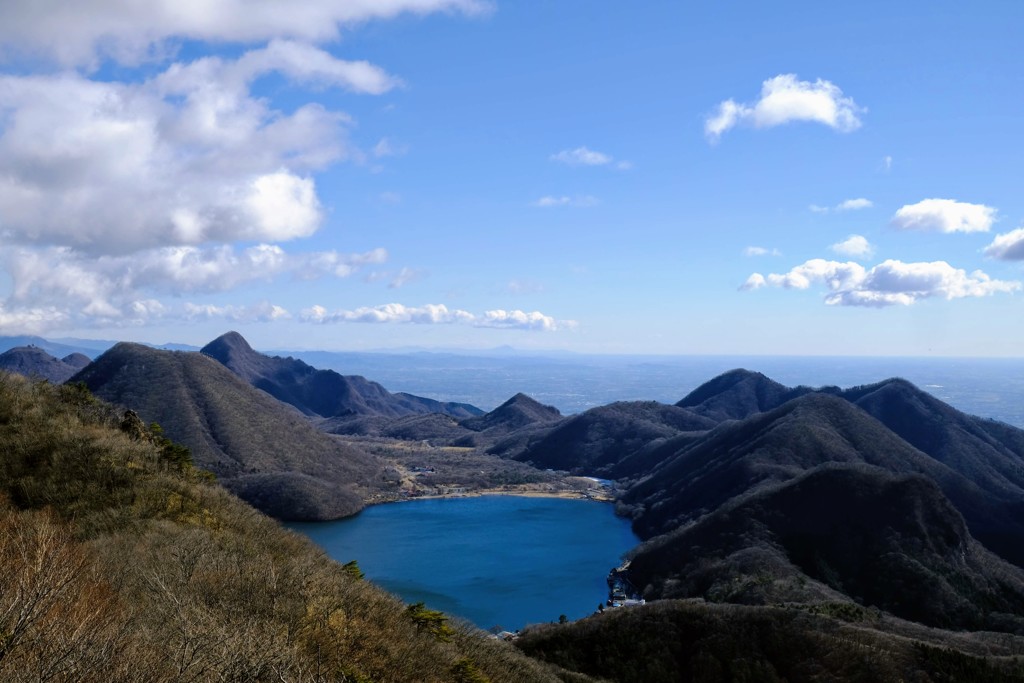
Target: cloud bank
x,y
887,284
437,314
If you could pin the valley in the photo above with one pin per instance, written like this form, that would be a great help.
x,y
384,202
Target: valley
x,y
876,508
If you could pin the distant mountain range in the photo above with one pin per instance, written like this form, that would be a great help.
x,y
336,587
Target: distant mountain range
x,y
323,393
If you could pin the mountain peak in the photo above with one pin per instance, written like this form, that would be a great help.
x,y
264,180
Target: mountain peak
x,y
737,394
518,411
226,345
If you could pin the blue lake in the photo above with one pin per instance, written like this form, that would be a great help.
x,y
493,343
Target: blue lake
x,y
502,561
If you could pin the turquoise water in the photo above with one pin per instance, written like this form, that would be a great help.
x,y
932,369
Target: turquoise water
x,y
495,560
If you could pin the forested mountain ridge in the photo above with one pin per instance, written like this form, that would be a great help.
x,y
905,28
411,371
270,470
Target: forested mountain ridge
x,y
260,448
323,393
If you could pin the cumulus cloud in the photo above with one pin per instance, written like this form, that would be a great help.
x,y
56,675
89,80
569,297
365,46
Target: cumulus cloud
x,y
944,215
519,320
784,99
854,246
436,314
755,281
131,31
549,201
1008,246
187,157
889,283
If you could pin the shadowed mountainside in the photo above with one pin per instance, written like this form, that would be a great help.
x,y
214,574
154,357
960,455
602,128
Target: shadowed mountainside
x,y
737,394
324,393
262,449
601,441
34,362
840,531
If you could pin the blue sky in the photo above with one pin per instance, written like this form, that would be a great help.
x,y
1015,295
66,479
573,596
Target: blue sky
x,y
604,177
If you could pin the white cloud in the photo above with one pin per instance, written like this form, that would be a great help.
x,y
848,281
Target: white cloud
x,y
785,99
854,204
261,312
436,314
761,251
755,281
944,215
31,320
854,246
130,31
581,156
887,163
889,283
577,201
111,288
520,320
845,205
187,157
1008,246
389,313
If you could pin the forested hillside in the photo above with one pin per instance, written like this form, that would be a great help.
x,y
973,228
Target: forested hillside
x,y
123,562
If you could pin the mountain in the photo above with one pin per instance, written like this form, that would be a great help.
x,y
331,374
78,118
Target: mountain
x,y
34,362
261,449
737,394
601,441
774,447
517,412
891,542
323,393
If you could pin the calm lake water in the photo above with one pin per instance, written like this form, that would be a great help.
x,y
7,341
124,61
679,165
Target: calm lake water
x,y
502,561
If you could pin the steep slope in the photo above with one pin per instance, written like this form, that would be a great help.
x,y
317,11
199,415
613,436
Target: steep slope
x,y
32,361
891,542
601,440
320,392
258,447
738,394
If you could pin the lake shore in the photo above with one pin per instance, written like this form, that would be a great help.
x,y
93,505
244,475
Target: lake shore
x,y
598,496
